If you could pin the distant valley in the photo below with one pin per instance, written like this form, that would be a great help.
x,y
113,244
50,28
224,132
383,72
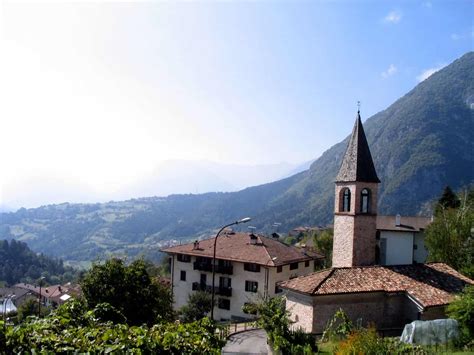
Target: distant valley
x,y
419,144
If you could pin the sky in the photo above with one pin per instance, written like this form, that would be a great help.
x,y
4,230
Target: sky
x,y
94,95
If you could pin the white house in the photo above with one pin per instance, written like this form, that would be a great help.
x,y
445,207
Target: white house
x,y
401,240
247,266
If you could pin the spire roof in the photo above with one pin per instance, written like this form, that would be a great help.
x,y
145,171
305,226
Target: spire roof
x,y
357,164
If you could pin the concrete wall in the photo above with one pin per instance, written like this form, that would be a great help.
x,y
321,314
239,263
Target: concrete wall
x,y
420,253
266,278
399,249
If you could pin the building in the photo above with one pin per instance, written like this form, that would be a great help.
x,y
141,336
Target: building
x,y
388,295
248,266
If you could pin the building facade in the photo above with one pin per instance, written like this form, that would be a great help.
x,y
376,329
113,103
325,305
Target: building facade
x,y
247,268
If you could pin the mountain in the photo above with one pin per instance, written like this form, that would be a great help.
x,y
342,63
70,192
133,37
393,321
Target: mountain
x,y
422,142
19,264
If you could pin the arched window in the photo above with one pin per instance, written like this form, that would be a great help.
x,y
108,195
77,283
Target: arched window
x,y
365,201
346,200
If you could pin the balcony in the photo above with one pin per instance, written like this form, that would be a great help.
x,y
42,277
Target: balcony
x,y
220,269
221,291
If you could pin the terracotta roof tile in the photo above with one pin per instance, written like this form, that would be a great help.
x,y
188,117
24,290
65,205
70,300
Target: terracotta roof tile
x,y
429,284
237,247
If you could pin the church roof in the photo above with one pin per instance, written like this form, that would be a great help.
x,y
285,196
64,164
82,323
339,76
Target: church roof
x,y
236,246
430,285
357,164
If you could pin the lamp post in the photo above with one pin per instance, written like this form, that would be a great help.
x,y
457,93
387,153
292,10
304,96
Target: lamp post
x,y
39,301
243,220
5,301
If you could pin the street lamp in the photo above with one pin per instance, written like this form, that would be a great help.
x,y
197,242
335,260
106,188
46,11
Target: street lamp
x,y
39,302
243,220
5,302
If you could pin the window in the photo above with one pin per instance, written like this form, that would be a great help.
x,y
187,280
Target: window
x,y
184,258
306,263
183,275
278,289
225,282
252,267
223,303
346,200
293,266
251,286
364,201
279,268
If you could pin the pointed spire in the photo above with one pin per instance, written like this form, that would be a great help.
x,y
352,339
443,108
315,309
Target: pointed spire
x,y
357,164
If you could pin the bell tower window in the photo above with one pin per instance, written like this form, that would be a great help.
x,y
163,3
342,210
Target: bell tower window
x,y
365,201
346,200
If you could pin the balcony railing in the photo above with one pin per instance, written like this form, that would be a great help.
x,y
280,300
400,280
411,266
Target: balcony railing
x,y
222,291
220,269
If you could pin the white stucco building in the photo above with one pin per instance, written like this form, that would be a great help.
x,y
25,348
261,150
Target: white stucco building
x,y
247,267
400,240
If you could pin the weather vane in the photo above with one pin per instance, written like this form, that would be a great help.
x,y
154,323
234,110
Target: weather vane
x,y
358,106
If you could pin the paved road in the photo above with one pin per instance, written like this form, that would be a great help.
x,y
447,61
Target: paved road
x,y
248,342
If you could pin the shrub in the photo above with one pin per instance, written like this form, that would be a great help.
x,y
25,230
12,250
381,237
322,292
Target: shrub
x,y
462,309
362,341
338,327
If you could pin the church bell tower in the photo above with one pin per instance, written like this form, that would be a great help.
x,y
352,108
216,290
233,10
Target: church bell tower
x,y
355,208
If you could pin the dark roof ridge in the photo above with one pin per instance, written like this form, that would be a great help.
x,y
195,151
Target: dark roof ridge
x,y
324,280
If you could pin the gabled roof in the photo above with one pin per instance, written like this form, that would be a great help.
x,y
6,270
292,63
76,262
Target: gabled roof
x,y
357,164
408,223
429,284
237,247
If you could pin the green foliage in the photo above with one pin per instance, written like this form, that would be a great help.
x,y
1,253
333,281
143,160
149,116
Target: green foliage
x,y
198,306
72,329
19,264
447,200
129,289
323,244
274,319
338,327
449,238
30,308
462,309
362,341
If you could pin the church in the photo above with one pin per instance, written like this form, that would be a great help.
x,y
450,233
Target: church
x,y
387,296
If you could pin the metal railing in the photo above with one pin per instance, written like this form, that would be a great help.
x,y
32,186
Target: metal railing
x,y
221,269
222,291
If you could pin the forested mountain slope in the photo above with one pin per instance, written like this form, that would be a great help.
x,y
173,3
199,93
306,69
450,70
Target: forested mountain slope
x,y
422,142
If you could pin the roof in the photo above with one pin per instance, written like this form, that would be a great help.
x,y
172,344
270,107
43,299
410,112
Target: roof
x,y
237,247
408,224
429,284
357,164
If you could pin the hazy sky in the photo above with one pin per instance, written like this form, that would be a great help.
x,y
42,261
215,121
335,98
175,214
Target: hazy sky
x,y
96,93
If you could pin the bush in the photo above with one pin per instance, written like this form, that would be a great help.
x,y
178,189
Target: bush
x,y
73,329
198,306
362,341
462,309
338,327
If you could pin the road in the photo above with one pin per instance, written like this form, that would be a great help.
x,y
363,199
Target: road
x,y
248,342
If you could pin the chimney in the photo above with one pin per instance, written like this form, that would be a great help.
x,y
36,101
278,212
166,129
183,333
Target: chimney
x,y
196,245
398,220
253,239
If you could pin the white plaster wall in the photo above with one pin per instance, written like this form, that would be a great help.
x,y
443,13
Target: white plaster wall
x,y
399,247
421,253
182,289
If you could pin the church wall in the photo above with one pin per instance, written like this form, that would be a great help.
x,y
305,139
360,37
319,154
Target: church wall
x,y
433,313
364,246
384,311
301,311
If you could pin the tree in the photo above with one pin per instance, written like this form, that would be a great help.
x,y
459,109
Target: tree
x,y
449,237
323,243
447,200
462,309
199,305
129,289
